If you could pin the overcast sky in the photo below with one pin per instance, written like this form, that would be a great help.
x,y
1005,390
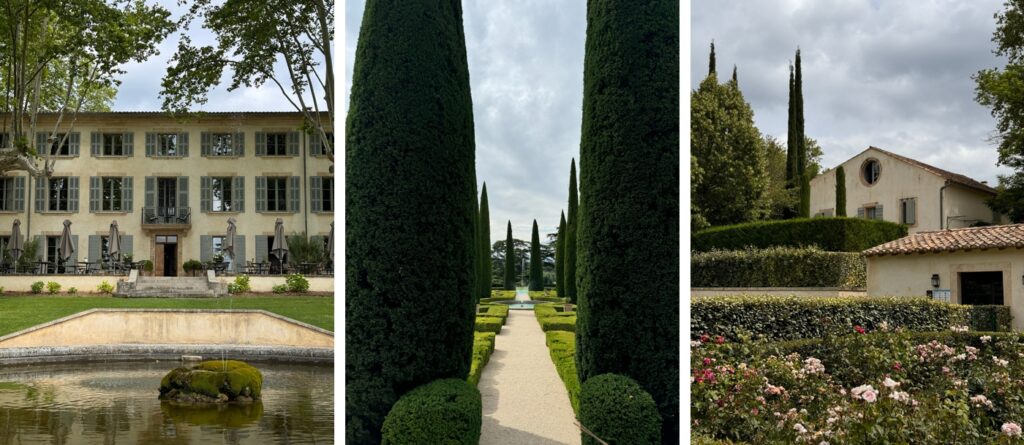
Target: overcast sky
x,y
893,74
526,75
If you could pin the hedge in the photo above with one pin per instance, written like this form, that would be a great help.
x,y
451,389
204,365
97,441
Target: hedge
x,y
790,318
483,347
778,267
836,234
494,310
501,294
447,411
618,411
551,318
562,348
489,324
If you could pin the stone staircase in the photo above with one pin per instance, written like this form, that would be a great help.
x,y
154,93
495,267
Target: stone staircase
x,y
170,287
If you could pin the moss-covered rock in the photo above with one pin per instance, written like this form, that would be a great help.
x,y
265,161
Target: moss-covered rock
x,y
216,381
219,414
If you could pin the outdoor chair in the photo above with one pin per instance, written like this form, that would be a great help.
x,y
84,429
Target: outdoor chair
x,y
183,217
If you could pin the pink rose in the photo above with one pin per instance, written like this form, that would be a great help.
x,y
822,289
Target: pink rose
x,y
869,396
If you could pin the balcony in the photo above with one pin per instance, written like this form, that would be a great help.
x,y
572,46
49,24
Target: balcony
x,y
166,217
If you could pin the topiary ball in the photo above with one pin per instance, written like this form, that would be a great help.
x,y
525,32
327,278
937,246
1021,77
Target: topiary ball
x,y
616,409
447,411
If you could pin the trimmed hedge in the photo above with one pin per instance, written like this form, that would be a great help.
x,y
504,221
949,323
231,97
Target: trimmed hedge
x,y
562,348
494,310
447,411
616,409
489,324
832,234
552,318
501,294
778,267
790,318
483,347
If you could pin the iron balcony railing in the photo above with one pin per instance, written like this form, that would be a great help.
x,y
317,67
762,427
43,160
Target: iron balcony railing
x,y
166,215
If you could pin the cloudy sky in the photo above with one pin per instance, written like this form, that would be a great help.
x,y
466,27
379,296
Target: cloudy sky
x,y
888,73
526,75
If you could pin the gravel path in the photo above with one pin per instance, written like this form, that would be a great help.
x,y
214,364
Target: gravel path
x,y
524,400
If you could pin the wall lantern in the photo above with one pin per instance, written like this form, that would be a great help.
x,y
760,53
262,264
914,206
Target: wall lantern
x,y
935,280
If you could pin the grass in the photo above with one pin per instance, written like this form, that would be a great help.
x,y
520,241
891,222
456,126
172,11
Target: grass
x,y
483,346
20,312
552,318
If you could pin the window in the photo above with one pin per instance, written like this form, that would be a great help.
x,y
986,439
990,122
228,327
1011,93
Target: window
x,y
113,144
111,196
221,192
7,194
327,194
277,144
222,144
167,144
61,145
52,242
58,194
872,213
323,145
908,211
5,140
871,171
4,254
277,194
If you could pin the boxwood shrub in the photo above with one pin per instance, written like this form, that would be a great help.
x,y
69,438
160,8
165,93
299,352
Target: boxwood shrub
x,y
789,318
562,347
832,234
778,267
489,324
447,411
552,318
616,409
494,310
483,347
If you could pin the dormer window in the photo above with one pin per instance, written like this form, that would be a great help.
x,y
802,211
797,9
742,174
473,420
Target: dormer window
x,y
870,171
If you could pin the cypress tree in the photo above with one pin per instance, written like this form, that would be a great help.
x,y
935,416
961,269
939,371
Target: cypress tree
x,y
840,191
407,324
510,260
735,81
790,138
628,309
536,262
570,237
711,61
560,259
485,246
801,143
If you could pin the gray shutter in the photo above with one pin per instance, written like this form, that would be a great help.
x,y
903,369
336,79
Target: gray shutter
x,y
95,192
127,246
41,147
183,145
150,200
239,258
294,185
41,194
95,248
204,194
261,143
94,146
73,194
878,212
150,145
19,194
205,248
293,143
74,255
261,248
860,212
912,211
127,193
316,195
40,247
129,144
314,144
74,142
205,142
240,144
182,191
261,193
238,194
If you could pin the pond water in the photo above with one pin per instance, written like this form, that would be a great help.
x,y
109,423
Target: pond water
x,y
110,403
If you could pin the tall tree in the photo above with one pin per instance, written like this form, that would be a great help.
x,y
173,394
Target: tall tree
x,y
536,261
735,80
251,38
840,191
570,237
485,246
778,196
791,145
510,260
560,259
629,204
407,323
801,140
711,59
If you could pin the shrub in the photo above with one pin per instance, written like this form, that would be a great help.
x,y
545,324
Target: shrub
x,y
72,290
240,285
105,287
52,287
489,324
617,410
304,249
297,283
778,267
37,287
1,290
831,234
501,294
192,266
562,348
788,318
551,319
445,411
279,288
494,310
483,346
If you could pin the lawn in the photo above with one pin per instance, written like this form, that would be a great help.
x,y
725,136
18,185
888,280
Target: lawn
x,y
20,312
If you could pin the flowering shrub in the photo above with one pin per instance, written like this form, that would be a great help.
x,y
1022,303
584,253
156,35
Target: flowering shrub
x,y
879,387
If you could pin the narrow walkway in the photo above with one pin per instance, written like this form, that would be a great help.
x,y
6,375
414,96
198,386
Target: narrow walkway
x,y
524,400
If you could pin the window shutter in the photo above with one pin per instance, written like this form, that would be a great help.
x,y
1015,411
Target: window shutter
x,y
183,145
261,193
239,144
41,146
912,211
860,212
204,143
293,143
95,191
74,254
238,194
41,194
127,193
129,144
293,193
261,248
878,212
182,191
150,146
239,258
73,194
204,194
261,143
150,200
314,144
205,248
316,195
94,146
127,246
40,247
19,194
74,142
95,248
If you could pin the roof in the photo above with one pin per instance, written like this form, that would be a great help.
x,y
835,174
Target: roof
x,y
951,240
955,178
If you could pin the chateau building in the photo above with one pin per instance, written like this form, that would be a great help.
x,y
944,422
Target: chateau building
x,y
172,185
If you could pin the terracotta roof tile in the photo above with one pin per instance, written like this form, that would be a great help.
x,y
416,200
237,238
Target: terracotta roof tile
x,y
989,237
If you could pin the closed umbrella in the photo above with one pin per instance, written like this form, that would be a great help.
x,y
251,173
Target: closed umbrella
x,y
229,243
114,242
65,248
280,247
330,243
16,246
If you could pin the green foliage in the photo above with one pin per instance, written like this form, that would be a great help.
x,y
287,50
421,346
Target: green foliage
x,y
778,197
296,283
552,318
560,258
240,285
37,287
562,348
147,265
105,287
52,287
536,261
546,295
778,267
483,347
1009,199
617,410
510,261
279,288
27,257
192,266
71,290
571,232
627,236
501,294
494,310
796,119
303,249
790,318
830,234
484,279
489,324
211,378
840,191
447,411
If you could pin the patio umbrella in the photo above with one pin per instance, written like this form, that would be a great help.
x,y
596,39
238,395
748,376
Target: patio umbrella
x,y
114,241
17,244
280,247
229,241
330,243
64,246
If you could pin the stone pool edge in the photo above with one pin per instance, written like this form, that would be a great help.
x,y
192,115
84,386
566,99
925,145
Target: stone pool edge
x,y
127,352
